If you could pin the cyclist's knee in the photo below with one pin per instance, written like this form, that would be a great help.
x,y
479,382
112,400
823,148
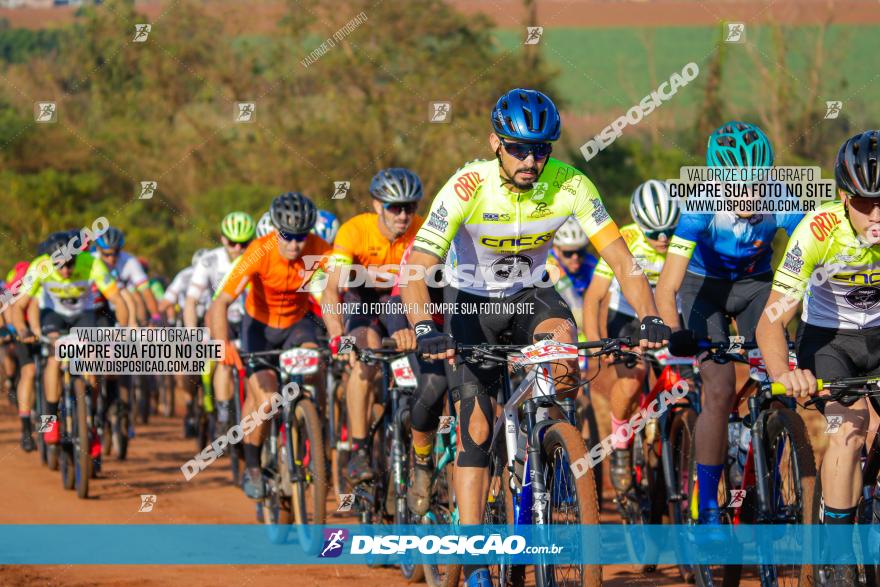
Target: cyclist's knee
x,y
428,406
475,427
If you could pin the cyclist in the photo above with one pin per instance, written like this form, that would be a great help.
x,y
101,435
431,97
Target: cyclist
x,y
264,226
23,355
276,307
374,241
656,216
831,263
719,265
68,300
236,232
174,298
572,266
497,219
127,271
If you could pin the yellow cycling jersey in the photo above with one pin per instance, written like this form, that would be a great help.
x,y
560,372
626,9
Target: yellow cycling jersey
x,y
496,241
834,271
71,295
647,261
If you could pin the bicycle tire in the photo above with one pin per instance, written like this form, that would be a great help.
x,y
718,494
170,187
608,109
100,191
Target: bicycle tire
x,y
81,442
681,432
166,396
562,445
499,510
309,495
783,421
438,575
120,434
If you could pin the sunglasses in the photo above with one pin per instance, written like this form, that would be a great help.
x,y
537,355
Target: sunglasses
x,y
864,205
110,253
655,235
235,245
396,209
521,151
289,236
579,252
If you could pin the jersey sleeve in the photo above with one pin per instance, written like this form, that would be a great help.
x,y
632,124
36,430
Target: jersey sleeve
x,y
133,273
239,274
448,210
101,277
802,254
345,243
199,281
174,289
590,212
789,222
32,281
688,233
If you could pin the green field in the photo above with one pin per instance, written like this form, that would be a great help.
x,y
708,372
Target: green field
x,y
609,69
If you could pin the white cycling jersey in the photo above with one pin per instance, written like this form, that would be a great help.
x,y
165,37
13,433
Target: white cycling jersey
x,y
176,292
206,279
128,271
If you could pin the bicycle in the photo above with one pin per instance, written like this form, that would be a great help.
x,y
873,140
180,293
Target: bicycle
x,y
534,462
76,427
294,471
48,452
383,498
847,391
776,482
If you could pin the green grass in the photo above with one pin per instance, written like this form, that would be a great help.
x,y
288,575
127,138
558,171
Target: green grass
x,y
608,69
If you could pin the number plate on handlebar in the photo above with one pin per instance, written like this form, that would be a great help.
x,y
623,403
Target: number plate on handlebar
x,y
403,373
548,350
300,361
757,369
664,357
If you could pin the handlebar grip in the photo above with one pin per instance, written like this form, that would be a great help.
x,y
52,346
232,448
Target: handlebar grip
x,y
777,389
389,343
820,385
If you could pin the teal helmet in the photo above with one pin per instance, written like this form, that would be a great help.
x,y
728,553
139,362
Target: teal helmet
x,y
739,144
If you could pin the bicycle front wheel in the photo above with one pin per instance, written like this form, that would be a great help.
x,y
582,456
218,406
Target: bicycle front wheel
x,y
310,491
81,440
573,500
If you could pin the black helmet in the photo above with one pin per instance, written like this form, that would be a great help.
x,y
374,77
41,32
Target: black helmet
x,y
293,212
55,242
857,169
396,185
113,238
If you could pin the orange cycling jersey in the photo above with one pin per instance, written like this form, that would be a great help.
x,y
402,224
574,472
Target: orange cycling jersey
x,y
276,297
360,242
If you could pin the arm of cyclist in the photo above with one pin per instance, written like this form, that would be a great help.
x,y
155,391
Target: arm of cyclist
x,y
218,323
773,343
671,278
397,325
331,299
417,299
635,287
151,304
119,305
127,300
19,311
593,296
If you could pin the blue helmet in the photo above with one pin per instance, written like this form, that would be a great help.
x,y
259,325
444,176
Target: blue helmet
x,y
526,115
739,144
113,238
326,226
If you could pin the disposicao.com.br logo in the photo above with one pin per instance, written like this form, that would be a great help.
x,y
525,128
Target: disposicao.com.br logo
x,y
403,544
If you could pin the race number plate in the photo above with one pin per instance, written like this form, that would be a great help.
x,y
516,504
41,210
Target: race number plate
x,y
300,361
403,373
548,350
664,357
757,369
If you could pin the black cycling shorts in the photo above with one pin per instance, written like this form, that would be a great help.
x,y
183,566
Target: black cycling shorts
x,y
469,328
24,353
257,337
623,325
51,321
709,304
833,354
365,297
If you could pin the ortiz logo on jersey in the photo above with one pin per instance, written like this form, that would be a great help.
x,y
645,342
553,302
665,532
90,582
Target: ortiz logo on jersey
x,y
466,185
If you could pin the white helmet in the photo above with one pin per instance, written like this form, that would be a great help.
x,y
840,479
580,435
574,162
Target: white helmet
x,y
571,234
264,226
652,208
197,256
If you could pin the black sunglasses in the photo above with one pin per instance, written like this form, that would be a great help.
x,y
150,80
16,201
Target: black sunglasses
x,y
522,150
396,209
109,252
570,254
289,236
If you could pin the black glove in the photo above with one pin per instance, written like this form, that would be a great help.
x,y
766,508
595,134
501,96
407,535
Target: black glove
x,y
683,344
431,341
654,330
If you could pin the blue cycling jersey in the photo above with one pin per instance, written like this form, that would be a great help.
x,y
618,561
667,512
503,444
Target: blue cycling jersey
x,y
725,246
580,280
